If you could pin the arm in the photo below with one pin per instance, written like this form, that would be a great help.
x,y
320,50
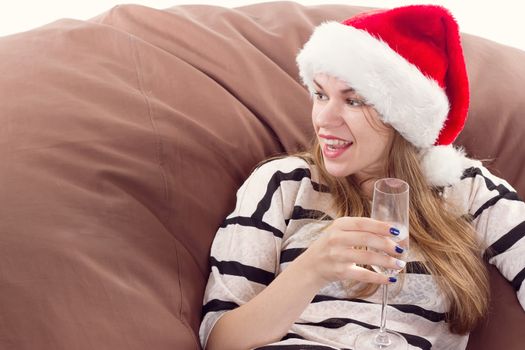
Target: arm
x,y
499,219
268,316
246,306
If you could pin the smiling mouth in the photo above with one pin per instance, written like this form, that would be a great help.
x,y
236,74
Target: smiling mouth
x,y
332,148
335,144
338,147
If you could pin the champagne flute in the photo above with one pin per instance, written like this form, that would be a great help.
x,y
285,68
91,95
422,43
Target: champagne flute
x,y
390,204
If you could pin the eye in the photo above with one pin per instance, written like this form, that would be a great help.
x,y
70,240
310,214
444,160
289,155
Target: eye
x,y
320,96
355,102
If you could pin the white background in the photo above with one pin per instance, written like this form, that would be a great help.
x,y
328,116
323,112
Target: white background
x,y
499,20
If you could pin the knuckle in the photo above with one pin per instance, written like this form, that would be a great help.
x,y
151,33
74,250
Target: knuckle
x,y
339,222
332,254
341,272
387,245
369,240
333,239
380,260
360,224
360,238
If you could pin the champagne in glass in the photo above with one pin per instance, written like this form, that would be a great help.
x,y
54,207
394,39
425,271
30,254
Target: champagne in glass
x,y
402,241
390,204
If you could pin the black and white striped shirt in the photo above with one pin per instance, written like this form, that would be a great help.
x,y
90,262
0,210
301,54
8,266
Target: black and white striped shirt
x,y
278,214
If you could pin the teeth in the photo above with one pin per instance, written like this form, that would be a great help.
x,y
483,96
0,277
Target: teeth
x,y
334,142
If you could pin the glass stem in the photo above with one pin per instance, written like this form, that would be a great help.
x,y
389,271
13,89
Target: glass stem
x,y
383,308
382,337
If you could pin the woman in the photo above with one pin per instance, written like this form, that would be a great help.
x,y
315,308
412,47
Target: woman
x,y
290,268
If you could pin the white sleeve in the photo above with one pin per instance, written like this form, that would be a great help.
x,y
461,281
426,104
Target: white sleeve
x,y
499,220
246,250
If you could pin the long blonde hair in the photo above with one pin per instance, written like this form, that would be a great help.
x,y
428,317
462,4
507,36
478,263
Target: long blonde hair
x,y
446,239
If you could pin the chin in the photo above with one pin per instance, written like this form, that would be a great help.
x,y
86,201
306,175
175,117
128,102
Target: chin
x,y
337,170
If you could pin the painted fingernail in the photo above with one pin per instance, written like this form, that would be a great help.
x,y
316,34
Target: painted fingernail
x,y
400,263
392,279
394,231
399,249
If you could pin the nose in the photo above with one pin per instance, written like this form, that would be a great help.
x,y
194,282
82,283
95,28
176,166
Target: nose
x,y
328,115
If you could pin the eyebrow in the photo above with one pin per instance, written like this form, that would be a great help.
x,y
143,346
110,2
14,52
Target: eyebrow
x,y
344,91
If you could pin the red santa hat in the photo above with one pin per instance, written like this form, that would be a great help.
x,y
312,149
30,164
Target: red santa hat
x,y
408,64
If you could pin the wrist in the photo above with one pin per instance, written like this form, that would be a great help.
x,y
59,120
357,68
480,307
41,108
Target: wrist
x,y
307,272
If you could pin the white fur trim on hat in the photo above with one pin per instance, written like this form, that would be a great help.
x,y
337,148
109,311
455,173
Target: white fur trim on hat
x,y
412,103
443,165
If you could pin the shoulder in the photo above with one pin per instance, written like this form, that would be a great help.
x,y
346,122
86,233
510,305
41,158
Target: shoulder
x,y
292,169
477,176
276,188
285,164
292,176
477,184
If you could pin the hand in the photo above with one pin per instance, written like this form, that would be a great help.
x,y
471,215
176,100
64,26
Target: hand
x,y
333,257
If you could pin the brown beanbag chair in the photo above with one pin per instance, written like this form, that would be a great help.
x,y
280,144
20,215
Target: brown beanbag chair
x,y
124,138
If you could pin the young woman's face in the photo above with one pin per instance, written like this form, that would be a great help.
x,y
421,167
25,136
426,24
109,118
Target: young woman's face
x,y
351,142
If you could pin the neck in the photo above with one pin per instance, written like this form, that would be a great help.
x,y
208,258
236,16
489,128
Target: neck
x,y
366,185
366,181
368,188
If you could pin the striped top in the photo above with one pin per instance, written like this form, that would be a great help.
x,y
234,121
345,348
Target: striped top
x,y
277,216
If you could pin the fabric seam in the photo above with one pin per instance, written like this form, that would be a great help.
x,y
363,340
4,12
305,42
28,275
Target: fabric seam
x,y
158,142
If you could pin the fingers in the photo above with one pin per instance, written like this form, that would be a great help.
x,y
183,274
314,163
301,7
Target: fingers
x,y
364,239
366,225
341,262
366,232
336,253
364,257
364,275
343,258
351,271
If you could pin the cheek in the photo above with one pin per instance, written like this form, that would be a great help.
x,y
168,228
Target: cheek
x,y
384,145
315,112
376,142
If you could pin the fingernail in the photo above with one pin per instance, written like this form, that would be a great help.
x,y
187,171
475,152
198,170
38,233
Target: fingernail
x,y
399,249
392,279
400,263
394,231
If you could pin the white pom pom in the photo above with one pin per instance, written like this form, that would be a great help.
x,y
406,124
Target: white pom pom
x,y
443,165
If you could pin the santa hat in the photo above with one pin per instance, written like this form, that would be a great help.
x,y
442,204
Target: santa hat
x,y
408,64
